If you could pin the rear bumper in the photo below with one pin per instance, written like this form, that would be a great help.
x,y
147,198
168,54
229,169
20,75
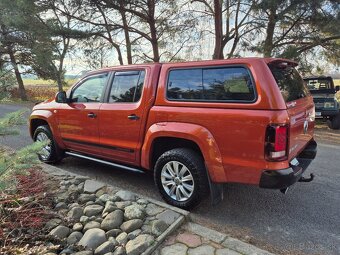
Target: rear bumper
x,y
280,179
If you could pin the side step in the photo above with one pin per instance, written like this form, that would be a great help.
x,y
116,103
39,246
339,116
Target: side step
x,y
78,155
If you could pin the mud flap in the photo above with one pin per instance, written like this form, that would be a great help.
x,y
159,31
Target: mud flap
x,y
216,192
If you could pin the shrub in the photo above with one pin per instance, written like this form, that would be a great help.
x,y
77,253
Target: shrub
x,y
36,93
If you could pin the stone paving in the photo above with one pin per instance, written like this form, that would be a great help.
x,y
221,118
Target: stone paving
x,y
194,239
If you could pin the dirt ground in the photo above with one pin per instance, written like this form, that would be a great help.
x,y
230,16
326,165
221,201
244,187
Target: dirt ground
x,y
324,134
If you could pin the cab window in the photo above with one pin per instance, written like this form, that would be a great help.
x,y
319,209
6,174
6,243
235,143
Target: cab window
x,y
91,90
127,87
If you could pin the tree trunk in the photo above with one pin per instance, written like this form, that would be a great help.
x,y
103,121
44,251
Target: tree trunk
x,y
59,82
268,43
218,51
153,30
154,43
120,57
127,37
60,72
22,91
116,46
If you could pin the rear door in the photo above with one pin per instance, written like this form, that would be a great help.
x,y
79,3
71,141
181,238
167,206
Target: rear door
x,y
299,103
122,116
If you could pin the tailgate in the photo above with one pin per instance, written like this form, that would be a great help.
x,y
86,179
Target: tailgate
x,y
301,113
299,103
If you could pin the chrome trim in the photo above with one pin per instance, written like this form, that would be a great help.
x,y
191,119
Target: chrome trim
x,y
104,162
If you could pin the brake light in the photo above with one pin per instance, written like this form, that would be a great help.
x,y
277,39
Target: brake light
x,y
276,142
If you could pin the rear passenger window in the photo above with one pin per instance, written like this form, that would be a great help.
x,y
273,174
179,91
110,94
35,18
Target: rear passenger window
x,y
127,86
211,84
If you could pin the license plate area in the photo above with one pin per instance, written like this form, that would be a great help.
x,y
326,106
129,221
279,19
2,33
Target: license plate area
x,y
294,162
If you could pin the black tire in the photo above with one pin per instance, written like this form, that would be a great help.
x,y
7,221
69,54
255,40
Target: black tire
x,y
56,154
195,164
334,122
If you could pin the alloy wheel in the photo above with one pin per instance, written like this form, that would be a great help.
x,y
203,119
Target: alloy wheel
x,y
177,181
47,149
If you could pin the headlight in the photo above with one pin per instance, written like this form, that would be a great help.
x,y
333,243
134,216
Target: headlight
x,y
329,105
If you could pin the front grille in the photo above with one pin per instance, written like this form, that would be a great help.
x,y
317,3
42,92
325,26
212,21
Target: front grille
x,y
318,105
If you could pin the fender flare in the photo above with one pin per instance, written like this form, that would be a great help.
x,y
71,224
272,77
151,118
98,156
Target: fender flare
x,y
195,133
47,116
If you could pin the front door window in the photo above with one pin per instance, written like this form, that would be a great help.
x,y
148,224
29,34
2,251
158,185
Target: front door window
x,y
90,91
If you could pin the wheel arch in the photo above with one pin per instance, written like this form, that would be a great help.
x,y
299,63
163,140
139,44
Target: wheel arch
x,y
35,123
45,117
168,135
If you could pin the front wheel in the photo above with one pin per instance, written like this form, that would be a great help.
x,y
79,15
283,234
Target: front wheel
x,y
181,178
334,122
50,153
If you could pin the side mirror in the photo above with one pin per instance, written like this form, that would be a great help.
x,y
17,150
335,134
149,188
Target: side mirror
x,y
337,88
61,97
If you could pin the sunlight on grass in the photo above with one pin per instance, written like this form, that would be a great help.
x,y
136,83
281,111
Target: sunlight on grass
x,y
40,82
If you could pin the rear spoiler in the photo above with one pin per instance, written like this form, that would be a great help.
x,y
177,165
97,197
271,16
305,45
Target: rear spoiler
x,y
281,61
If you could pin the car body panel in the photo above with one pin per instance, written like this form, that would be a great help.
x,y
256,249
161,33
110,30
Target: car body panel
x,y
76,129
301,125
196,133
230,135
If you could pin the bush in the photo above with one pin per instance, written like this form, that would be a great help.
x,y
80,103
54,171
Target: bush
x,y
36,93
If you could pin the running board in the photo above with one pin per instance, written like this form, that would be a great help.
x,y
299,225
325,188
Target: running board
x,y
74,154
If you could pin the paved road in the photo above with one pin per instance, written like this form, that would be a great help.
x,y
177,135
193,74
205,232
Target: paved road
x,y
306,220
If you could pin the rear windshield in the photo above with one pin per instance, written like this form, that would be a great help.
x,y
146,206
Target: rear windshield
x,y
319,84
290,83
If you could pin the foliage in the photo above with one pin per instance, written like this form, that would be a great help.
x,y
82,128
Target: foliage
x,y
42,35
13,163
37,93
21,33
292,29
18,162
8,123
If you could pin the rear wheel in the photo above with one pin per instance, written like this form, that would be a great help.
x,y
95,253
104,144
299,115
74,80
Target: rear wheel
x,y
334,122
50,153
181,178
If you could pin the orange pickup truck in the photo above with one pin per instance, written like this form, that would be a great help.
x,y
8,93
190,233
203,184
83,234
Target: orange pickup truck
x,y
196,125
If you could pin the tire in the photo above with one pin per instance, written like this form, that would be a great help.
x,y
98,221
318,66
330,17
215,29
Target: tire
x,y
55,156
186,198
334,123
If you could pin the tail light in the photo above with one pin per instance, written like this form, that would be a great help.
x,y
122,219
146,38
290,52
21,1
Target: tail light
x,y
276,142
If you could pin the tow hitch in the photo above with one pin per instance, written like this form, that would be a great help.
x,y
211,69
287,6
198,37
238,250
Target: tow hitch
x,y
303,179
284,191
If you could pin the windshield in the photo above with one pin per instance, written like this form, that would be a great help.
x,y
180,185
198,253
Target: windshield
x,y
289,81
319,84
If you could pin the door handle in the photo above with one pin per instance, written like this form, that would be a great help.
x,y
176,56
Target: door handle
x,y
133,117
92,115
